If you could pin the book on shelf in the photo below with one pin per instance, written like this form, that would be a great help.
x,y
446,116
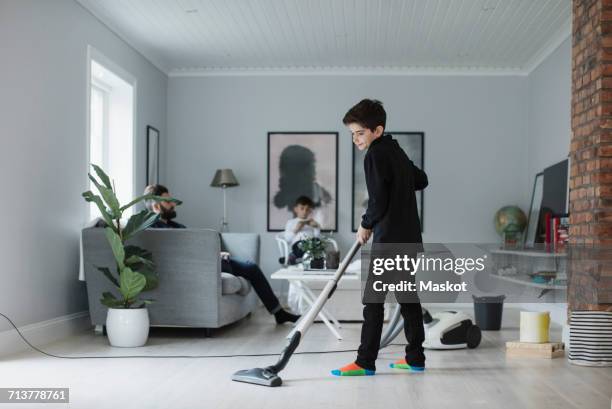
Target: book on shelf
x,y
559,232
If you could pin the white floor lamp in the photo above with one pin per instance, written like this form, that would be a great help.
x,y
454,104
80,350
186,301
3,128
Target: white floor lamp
x,y
224,178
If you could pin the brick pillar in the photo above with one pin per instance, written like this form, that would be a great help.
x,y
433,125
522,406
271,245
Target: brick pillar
x,y
591,151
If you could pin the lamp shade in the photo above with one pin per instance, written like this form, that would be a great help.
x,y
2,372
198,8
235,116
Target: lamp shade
x,y
224,178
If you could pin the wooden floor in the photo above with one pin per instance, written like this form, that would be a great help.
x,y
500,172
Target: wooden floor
x,y
480,378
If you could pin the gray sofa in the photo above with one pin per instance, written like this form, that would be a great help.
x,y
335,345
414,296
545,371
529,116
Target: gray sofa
x,y
192,291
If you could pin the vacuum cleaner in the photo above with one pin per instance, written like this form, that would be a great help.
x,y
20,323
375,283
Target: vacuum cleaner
x,y
268,376
443,330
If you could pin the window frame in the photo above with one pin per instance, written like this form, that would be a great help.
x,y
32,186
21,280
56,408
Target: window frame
x,y
94,54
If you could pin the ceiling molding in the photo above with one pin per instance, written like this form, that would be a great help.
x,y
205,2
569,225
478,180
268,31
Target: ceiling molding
x,y
346,71
555,42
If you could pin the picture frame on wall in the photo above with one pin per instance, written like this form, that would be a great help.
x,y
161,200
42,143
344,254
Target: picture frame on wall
x,y
152,155
413,143
302,164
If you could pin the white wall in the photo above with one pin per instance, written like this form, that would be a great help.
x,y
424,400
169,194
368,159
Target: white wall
x,y
549,130
43,157
549,110
475,136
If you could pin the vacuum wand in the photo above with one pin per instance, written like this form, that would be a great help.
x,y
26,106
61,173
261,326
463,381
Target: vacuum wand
x,y
269,376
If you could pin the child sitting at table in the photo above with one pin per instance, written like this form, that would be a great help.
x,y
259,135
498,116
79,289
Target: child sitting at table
x,y
301,227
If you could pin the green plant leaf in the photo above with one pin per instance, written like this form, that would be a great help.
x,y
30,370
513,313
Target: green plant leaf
x,y
314,245
117,247
139,222
108,294
151,197
146,268
131,283
141,260
109,300
131,249
106,271
137,260
151,277
103,176
90,197
109,197
145,302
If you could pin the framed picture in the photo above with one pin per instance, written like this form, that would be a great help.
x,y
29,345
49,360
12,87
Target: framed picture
x,y
302,164
152,155
413,143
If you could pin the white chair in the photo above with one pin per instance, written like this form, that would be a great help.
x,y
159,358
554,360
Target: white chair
x,y
284,248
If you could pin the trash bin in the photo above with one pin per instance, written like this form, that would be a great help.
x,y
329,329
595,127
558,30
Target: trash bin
x,y
488,311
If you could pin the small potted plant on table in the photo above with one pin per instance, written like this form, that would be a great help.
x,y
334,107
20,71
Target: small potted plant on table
x,y
314,252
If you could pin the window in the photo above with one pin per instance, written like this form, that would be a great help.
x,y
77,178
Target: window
x,y
111,122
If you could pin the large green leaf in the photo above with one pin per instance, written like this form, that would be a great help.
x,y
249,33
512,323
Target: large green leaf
x,y
106,271
146,268
139,222
110,300
141,260
131,283
151,197
103,176
151,277
145,303
117,246
134,260
131,250
109,197
90,197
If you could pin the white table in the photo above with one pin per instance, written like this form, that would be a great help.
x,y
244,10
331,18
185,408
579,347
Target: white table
x,y
300,277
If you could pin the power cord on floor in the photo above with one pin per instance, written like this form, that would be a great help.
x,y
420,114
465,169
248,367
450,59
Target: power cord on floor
x,y
334,351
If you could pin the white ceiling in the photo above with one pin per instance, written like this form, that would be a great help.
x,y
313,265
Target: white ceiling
x,y
191,37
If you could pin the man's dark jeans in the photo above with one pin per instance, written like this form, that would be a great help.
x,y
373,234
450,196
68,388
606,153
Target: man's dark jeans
x,y
253,274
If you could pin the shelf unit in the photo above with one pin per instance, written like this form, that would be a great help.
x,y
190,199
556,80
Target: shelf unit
x,y
525,262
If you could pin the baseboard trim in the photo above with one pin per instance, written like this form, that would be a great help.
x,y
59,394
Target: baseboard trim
x,y
43,332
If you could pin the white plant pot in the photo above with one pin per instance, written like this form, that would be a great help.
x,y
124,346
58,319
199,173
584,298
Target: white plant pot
x,y
127,327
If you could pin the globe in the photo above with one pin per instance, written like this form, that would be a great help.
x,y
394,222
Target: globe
x,y
510,219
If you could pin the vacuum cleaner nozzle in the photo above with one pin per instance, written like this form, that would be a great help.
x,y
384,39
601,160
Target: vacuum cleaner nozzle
x,y
258,376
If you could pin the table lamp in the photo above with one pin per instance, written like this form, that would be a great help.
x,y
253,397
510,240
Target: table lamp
x,y
224,178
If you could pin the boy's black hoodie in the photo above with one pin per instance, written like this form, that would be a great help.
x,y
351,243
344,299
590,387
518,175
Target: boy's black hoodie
x,y
392,180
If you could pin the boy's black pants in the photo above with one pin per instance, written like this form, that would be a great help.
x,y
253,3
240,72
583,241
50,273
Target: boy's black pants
x,y
373,316
371,331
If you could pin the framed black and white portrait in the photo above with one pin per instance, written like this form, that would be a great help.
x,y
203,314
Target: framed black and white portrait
x,y
152,155
413,143
302,164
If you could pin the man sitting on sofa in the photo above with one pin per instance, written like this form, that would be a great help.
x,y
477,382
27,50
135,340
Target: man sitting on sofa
x,y
246,269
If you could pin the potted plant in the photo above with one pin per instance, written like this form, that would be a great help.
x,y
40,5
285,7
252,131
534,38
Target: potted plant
x,y
314,252
127,319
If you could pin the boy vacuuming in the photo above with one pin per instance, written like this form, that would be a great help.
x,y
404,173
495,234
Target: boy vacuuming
x,y
392,217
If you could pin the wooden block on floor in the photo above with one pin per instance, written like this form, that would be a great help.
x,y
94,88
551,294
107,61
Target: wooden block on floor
x,y
532,350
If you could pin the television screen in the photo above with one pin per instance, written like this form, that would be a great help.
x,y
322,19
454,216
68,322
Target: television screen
x,y
554,196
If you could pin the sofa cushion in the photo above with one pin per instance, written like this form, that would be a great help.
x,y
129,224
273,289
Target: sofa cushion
x,y
230,284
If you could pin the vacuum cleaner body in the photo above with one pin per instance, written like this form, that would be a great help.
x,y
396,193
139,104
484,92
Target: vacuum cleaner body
x,y
450,330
